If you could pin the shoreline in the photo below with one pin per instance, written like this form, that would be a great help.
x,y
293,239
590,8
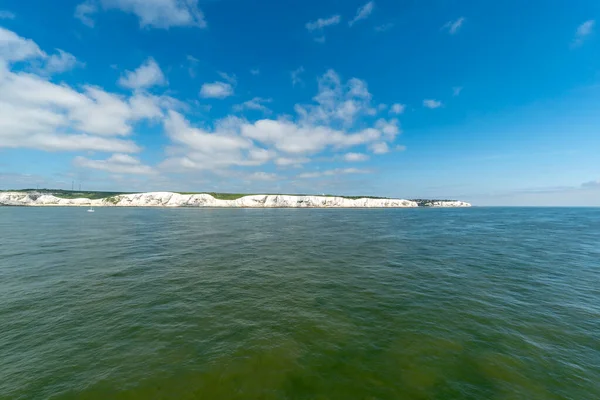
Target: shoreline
x,y
205,200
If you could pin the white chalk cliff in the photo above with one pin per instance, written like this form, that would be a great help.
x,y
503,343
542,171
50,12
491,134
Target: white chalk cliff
x,y
169,199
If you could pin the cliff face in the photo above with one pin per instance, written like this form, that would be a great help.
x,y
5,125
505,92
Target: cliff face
x,y
168,199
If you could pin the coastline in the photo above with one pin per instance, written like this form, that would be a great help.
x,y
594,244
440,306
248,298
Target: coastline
x,y
174,200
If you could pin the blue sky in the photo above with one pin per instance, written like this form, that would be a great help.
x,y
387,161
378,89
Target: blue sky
x,y
497,103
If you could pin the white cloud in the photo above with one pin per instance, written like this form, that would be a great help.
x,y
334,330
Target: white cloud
x,y
152,13
323,22
583,31
363,12
320,39
145,76
255,71
429,103
36,113
219,148
296,76
15,48
262,176
291,161
355,157
216,90
257,103
338,103
60,62
384,27
291,138
117,163
332,172
397,108
285,141
379,148
456,90
229,78
4,14
453,26
85,10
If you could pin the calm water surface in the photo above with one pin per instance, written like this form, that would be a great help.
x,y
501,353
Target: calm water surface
x,y
485,303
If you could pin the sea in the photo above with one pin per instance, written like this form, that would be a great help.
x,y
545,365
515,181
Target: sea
x,y
149,303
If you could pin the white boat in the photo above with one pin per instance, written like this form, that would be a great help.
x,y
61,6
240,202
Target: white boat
x,y
91,209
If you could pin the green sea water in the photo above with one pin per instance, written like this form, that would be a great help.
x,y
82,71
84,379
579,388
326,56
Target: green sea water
x,y
481,303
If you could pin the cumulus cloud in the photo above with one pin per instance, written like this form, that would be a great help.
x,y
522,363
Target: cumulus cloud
x,y
36,113
332,172
430,103
379,148
219,148
453,26
323,22
4,14
326,124
397,109
355,157
363,12
14,48
117,163
257,104
216,90
161,14
60,62
145,76
583,31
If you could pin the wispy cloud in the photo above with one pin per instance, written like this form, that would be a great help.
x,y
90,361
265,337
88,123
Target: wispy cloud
x,y
296,76
161,14
323,22
229,78
117,163
430,103
4,14
333,172
85,11
453,26
192,64
363,12
216,90
384,27
257,104
583,31
255,71
456,90
262,176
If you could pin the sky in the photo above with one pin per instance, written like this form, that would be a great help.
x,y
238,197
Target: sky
x,y
495,103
